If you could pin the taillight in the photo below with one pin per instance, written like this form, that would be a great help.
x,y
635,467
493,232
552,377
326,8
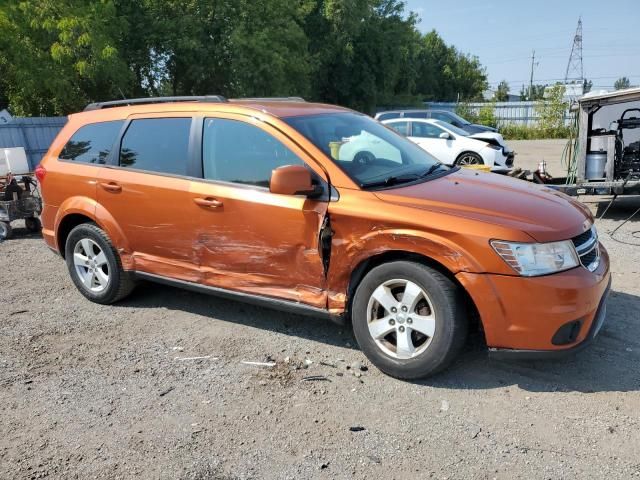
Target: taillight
x,y
40,173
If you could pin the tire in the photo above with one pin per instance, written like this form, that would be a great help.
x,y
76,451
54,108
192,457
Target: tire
x,y
100,277
434,323
5,231
33,224
469,158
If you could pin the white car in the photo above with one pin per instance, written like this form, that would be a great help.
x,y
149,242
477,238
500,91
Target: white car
x,y
453,146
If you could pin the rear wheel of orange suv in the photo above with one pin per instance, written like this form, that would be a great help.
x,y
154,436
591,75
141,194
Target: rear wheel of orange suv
x,y
94,265
409,319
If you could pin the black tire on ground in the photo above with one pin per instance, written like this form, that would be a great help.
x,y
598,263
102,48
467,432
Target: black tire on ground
x,y
5,231
33,224
450,320
120,283
469,158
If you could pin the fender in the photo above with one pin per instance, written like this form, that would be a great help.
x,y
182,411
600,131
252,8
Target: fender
x,y
90,208
351,252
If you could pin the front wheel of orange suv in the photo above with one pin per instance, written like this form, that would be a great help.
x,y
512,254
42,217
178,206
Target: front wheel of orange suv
x,y
409,319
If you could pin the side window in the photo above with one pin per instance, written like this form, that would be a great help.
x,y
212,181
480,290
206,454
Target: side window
x,y
426,130
235,151
401,127
92,143
444,117
388,116
411,114
157,145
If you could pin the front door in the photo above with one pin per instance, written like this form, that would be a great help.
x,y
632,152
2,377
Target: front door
x,y
249,239
427,136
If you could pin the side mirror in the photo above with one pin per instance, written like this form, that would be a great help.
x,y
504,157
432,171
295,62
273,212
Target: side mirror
x,y
446,136
293,180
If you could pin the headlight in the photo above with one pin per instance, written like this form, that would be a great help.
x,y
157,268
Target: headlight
x,y
532,259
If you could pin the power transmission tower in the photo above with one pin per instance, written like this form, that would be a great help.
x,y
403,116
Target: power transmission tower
x,y
575,72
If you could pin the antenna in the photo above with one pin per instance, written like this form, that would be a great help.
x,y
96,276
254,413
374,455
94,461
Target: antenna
x,y
575,72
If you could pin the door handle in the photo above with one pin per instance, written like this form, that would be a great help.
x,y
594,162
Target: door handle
x,y
208,202
111,187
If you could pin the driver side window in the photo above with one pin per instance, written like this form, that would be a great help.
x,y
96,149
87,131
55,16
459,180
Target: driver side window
x,y
426,130
237,152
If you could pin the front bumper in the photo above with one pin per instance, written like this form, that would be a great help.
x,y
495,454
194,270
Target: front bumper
x,y
523,315
596,325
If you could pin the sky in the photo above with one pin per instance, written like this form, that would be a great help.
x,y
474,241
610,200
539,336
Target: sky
x,y
503,34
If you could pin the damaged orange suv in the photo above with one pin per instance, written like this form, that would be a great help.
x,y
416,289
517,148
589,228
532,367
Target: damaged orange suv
x,y
319,209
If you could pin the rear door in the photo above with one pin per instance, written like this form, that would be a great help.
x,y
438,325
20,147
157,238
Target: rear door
x,y
250,239
145,192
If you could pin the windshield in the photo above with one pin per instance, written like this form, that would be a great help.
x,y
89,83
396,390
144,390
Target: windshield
x,y
453,128
370,153
460,119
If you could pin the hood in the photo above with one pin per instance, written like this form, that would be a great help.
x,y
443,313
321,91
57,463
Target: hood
x,y
544,214
477,128
491,137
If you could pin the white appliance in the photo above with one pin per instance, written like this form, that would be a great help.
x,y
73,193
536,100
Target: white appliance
x,y
13,160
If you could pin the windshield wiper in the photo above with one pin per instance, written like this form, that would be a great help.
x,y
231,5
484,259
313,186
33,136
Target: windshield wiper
x,y
392,180
431,169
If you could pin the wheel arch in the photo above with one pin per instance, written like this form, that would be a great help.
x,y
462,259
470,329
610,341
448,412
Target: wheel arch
x,y
465,151
369,263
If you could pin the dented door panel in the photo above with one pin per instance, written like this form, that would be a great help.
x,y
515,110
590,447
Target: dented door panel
x,y
261,243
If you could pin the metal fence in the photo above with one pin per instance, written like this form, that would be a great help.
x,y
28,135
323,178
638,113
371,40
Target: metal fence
x,y
34,134
519,113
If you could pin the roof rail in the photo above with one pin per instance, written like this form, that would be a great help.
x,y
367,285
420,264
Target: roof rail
x,y
271,99
144,101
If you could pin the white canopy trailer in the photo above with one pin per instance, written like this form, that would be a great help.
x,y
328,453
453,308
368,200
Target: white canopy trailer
x,y
607,159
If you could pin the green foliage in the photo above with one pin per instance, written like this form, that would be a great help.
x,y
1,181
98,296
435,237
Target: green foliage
x,y
445,74
532,94
467,112
552,109
486,115
56,56
524,132
621,83
502,93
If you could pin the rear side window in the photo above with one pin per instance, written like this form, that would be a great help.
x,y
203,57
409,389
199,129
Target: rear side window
x,y
412,114
234,151
157,145
92,143
388,116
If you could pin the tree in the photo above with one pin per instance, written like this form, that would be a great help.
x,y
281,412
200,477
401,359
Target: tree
x,y
587,86
621,83
552,109
445,74
57,56
502,93
536,92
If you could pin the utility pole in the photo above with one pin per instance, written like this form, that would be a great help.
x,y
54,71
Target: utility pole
x,y
533,64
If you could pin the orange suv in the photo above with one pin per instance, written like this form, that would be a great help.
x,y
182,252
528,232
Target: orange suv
x,y
321,210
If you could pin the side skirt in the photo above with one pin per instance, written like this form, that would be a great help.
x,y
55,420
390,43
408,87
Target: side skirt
x,y
274,303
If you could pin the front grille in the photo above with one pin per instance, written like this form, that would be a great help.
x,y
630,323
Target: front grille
x,y
587,246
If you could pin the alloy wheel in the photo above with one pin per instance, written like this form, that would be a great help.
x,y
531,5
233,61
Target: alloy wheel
x,y
401,318
91,265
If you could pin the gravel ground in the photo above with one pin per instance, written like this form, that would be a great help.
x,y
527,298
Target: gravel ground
x,y
90,391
